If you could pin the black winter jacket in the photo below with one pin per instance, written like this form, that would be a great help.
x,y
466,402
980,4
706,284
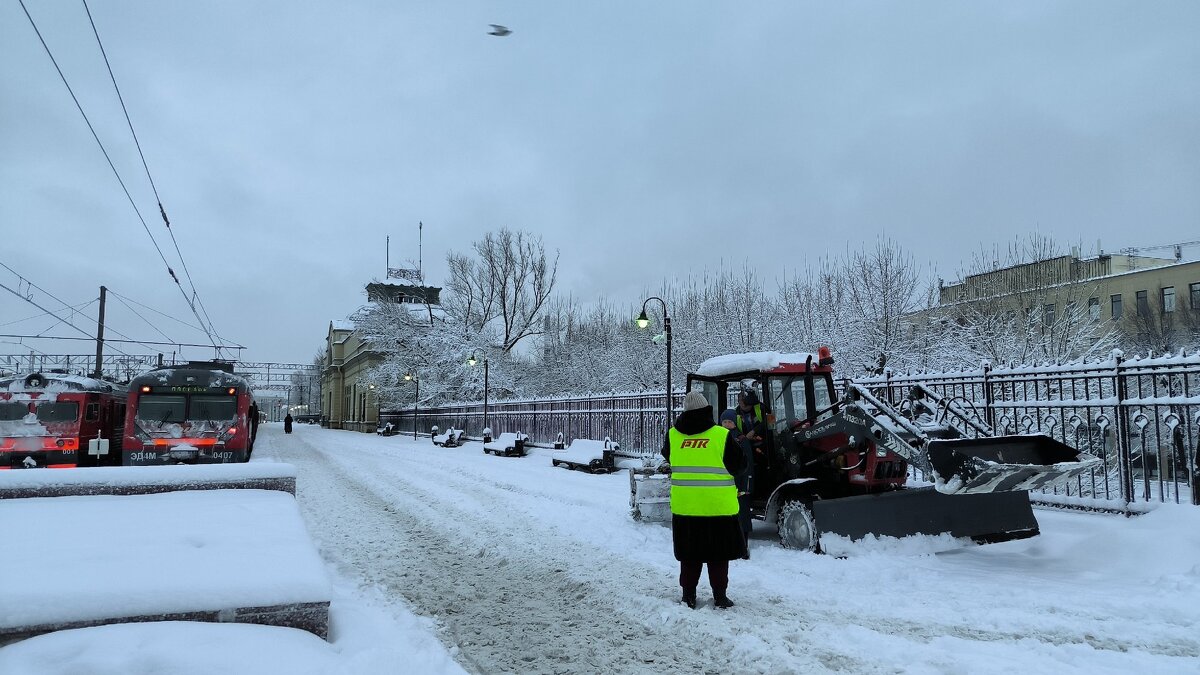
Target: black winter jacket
x,y
707,538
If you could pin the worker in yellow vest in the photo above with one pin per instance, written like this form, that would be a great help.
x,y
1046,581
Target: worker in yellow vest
x,y
704,459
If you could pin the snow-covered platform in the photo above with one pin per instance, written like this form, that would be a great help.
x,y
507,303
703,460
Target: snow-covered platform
x,y
213,555
140,480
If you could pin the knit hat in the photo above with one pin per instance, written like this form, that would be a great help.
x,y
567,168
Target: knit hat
x,y
729,416
694,401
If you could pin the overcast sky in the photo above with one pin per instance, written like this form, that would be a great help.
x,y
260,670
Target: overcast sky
x,y
641,139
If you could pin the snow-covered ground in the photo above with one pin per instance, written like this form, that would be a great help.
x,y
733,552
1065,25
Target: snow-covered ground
x,y
520,567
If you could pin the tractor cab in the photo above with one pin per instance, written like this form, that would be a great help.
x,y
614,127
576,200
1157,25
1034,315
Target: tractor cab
x,y
791,394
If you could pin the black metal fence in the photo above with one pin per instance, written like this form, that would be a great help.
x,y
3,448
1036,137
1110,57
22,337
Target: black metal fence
x,y
636,421
1141,417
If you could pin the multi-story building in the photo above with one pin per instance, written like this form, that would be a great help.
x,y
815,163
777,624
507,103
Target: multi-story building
x,y
1149,303
349,397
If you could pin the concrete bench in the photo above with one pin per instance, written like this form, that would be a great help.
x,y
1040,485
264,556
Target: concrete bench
x,y
451,439
212,555
141,480
508,444
592,456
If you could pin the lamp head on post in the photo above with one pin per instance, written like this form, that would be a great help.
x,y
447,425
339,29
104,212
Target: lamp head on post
x,y
487,432
643,321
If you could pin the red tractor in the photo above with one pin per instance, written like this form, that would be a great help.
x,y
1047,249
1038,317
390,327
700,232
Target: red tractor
x,y
840,465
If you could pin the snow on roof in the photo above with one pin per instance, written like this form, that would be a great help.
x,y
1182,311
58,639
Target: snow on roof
x,y
56,382
728,364
404,282
341,324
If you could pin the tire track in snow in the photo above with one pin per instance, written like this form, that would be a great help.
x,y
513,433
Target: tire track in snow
x,y
785,623
510,603
779,634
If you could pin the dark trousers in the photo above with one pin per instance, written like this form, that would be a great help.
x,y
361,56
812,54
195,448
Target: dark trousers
x,y
718,575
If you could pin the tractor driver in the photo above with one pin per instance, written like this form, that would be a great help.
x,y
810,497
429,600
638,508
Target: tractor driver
x,y
751,431
751,425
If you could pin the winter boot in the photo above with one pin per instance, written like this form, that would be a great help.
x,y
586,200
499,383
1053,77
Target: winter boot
x,y
689,598
722,602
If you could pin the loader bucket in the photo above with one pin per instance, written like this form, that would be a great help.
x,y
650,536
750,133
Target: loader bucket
x,y
650,496
987,517
1003,463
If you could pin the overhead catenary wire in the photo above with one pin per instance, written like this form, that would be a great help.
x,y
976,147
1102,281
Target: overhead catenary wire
x,y
127,299
62,302
76,308
161,210
117,174
88,335
146,343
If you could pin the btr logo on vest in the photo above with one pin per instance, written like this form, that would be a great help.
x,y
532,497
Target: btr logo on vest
x,y
694,443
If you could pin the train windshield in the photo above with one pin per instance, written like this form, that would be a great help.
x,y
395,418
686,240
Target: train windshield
x,y
49,411
213,408
12,411
162,409
59,411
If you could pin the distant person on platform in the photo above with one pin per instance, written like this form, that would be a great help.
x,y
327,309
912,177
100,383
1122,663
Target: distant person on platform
x,y
704,458
287,424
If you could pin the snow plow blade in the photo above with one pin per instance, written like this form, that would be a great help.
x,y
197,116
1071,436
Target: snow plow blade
x,y
988,517
650,495
1003,463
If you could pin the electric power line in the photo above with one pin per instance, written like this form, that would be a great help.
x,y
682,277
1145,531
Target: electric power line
x,y
76,308
138,315
126,298
108,340
30,301
60,301
116,173
161,210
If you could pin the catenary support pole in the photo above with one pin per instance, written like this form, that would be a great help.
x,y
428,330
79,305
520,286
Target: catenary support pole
x,y
100,336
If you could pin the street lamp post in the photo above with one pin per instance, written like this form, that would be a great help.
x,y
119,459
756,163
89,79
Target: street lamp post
x,y
642,322
471,362
416,400
370,391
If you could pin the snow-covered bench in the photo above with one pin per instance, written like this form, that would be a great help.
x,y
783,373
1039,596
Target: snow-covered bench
x,y
585,454
451,439
508,444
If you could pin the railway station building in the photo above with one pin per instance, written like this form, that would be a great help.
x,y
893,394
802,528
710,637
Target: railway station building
x,y
349,398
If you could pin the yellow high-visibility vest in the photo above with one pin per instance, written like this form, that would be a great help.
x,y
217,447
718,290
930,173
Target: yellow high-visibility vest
x,y
700,484
757,416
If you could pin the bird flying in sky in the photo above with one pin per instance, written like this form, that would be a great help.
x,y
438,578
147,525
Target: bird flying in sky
x,y
499,31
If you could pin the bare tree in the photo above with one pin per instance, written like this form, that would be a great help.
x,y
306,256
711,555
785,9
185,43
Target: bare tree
x,y
1023,306
1161,324
505,287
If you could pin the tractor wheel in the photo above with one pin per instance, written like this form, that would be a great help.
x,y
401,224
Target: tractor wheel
x,y
797,529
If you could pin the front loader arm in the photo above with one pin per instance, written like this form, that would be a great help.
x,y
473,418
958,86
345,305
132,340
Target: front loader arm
x,y
854,421
988,463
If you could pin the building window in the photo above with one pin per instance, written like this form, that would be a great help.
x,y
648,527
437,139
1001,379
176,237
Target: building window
x,y
1168,299
1094,308
1195,291
1143,303
1116,307
1048,317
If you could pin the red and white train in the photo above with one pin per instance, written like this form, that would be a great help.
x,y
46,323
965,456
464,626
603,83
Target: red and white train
x,y
196,413
51,419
